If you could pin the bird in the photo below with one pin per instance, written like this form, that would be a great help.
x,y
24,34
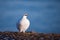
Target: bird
x,y
24,23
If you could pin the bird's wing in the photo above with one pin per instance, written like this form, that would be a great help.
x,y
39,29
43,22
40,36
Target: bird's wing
x,y
18,26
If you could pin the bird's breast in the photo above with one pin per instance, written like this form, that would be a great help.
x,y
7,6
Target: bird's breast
x,y
25,22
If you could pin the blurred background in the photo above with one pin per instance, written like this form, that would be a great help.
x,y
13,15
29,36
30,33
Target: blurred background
x,y
44,15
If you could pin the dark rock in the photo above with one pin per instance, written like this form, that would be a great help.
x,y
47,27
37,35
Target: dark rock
x,y
28,36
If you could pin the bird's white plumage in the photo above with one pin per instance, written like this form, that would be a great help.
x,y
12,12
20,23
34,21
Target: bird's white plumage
x,y
24,24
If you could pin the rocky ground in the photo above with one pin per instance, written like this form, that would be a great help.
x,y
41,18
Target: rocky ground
x,y
28,36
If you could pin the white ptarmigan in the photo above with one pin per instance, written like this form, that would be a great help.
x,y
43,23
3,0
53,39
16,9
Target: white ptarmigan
x,y
24,24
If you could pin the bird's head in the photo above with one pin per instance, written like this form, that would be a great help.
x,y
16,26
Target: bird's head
x,y
25,15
